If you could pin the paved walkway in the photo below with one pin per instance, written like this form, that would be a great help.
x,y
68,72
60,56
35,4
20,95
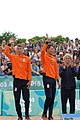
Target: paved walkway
x,y
32,118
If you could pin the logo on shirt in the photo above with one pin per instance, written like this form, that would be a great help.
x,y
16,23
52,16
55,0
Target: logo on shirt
x,y
24,60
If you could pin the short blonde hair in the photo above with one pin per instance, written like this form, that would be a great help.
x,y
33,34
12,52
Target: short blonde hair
x,y
67,54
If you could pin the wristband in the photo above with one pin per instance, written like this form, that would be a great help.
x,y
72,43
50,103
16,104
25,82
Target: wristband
x,y
9,44
47,42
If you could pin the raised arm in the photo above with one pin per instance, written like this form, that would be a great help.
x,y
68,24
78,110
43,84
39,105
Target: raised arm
x,y
43,50
7,52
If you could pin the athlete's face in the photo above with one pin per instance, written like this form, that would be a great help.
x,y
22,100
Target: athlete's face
x,y
50,50
19,50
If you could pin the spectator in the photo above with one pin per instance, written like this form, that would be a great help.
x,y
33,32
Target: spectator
x,y
78,76
35,68
31,52
1,72
35,55
3,44
70,46
77,44
6,68
78,53
75,54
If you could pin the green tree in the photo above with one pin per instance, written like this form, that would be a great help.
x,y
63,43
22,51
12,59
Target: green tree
x,y
21,40
6,36
37,38
59,39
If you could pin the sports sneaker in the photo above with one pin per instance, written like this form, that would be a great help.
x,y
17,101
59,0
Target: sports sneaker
x,y
27,118
51,118
20,118
44,117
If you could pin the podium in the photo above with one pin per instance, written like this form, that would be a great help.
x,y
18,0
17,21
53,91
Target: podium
x,y
70,116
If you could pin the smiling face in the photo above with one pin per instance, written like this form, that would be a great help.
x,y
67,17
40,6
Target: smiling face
x,y
67,59
19,49
50,50
3,42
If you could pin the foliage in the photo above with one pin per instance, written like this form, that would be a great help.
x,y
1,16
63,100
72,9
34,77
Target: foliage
x,y
57,39
6,36
37,38
67,39
21,40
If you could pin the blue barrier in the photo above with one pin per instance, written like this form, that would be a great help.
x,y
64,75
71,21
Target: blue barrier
x,y
6,83
0,101
37,97
70,116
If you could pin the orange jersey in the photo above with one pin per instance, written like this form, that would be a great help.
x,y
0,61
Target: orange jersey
x,y
20,65
49,64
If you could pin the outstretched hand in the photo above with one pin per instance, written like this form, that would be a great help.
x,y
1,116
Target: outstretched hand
x,y
47,38
47,35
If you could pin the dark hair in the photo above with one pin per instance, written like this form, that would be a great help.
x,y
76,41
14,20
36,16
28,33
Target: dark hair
x,y
19,45
30,46
76,39
49,45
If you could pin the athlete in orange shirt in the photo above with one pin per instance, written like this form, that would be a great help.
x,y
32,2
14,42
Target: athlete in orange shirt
x,y
22,78
50,68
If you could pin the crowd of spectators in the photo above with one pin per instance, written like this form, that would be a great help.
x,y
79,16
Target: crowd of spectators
x,y
33,51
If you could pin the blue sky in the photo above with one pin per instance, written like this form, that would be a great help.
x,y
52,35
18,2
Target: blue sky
x,y
28,18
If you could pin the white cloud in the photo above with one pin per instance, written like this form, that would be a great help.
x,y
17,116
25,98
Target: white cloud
x,y
28,18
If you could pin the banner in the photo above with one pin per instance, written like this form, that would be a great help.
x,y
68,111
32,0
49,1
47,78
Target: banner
x,y
37,83
6,83
0,101
37,98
